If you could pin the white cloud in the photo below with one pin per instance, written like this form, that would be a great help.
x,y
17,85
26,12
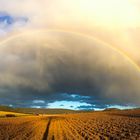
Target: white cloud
x,y
9,23
35,106
67,104
38,101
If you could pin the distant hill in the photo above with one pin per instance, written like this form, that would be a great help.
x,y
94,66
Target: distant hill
x,y
134,108
111,109
36,110
51,111
43,111
5,108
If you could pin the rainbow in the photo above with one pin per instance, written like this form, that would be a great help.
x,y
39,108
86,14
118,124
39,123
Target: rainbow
x,y
76,33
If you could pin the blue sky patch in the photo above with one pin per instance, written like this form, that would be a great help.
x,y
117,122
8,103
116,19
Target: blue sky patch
x,y
8,22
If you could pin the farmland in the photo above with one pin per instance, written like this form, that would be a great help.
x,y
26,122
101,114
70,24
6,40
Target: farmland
x,y
105,125
4,113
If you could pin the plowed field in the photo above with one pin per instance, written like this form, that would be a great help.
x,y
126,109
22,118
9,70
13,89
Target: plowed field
x,y
112,125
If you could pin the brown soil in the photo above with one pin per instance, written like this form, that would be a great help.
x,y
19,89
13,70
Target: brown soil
x,y
112,125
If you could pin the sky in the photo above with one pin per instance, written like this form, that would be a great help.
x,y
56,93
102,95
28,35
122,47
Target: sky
x,y
70,54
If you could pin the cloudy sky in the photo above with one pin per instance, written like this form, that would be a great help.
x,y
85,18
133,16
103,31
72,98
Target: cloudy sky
x,y
72,54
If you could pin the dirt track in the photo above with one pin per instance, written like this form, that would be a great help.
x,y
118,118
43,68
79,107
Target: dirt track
x,y
84,126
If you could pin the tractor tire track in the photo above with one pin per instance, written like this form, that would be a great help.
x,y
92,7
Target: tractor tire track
x,y
46,133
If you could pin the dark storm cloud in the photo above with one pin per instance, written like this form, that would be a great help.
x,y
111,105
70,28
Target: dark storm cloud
x,y
54,66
